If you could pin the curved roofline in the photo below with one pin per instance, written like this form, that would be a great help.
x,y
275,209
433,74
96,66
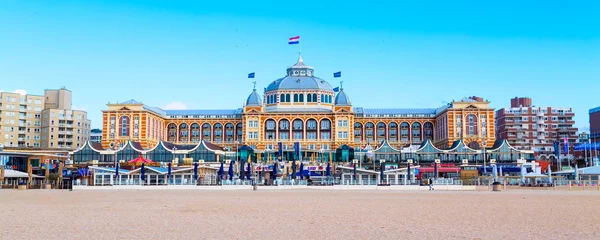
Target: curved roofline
x,y
465,146
424,144
152,149
387,143
130,142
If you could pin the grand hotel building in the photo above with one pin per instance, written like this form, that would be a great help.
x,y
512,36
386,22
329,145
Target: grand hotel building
x,y
300,107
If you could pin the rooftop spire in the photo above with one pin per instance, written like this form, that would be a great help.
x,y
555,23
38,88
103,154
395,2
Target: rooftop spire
x,y
254,87
341,85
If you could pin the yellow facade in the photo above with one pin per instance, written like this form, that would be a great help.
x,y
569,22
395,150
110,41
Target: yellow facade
x,y
300,108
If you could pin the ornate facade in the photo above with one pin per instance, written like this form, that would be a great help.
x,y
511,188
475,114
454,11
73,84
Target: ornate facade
x,y
300,108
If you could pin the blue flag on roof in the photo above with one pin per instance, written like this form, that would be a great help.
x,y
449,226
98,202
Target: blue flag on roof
x,y
337,74
250,75
336,89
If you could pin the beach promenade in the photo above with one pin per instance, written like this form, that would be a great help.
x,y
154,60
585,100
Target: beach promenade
x,y
299,214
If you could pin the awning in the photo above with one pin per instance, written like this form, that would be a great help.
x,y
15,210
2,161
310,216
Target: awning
x,y
18,174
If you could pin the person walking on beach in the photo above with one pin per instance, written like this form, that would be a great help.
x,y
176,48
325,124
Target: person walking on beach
x,y
430,184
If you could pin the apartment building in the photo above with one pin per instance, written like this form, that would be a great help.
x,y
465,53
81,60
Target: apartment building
x,y
20,120
526,126
46,122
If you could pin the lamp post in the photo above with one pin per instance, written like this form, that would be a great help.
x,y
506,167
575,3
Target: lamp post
x,y
354,162
484,157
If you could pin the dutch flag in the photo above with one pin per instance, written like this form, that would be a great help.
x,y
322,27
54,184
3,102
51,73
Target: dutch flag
x,y
294,40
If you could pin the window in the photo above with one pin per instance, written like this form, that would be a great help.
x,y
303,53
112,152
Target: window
x,y
295,97
287,97
309,98
297,135
270,124
311,135
325,135
343,135
301,97
284,135
124,126
343,123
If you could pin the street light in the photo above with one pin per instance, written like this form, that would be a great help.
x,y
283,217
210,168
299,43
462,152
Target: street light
x,y
484,157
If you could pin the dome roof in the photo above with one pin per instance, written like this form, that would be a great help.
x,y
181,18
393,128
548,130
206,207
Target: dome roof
x,y
299,76
253,99
342,99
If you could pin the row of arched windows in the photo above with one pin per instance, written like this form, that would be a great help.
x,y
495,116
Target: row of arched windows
x,y
405,132
212,133
311,129
299,98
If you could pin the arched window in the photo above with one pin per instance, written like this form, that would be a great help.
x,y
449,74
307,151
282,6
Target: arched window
x,y
404,132
301,97
314,97
124,126
309,97
172,137
183,132
218,133
416,132
393,132
240,132
311,128
284,128
322,98
325,129
295,97
358,132
472,124
270,129
298,129
195,132
287,97
229,133
369,128
206,130
381,131
282,98
428,130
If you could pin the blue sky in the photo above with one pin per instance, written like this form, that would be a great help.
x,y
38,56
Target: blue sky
x,y
403,54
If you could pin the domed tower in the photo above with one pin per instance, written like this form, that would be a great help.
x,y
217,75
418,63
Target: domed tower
x,y
253,101
300,89
342,101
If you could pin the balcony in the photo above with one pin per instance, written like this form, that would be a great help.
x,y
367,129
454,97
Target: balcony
x,y
540,121
69,125
541,137
21,139
21,132
69,140
539,114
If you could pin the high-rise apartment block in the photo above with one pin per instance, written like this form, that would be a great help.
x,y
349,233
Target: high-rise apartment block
x,y
46,122
526,126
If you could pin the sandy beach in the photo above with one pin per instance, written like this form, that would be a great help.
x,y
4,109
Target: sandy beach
x,y
298,214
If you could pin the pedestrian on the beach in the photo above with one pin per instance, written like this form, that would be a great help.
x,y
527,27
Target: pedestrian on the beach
x,y
430,184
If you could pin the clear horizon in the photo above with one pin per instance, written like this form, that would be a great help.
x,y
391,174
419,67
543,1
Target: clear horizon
x,y
185,54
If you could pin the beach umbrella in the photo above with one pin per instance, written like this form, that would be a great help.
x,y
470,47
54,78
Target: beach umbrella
x,y
408,172
230,170
576,174
500,169
249,172
294,169
549,174
143,172
242,171
221,171
301,170
196,171
381,169
117,170
169,171
275,170
354,171
495,172
435,171
328,170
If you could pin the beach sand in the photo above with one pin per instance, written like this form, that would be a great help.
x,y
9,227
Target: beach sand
x,y
298,214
